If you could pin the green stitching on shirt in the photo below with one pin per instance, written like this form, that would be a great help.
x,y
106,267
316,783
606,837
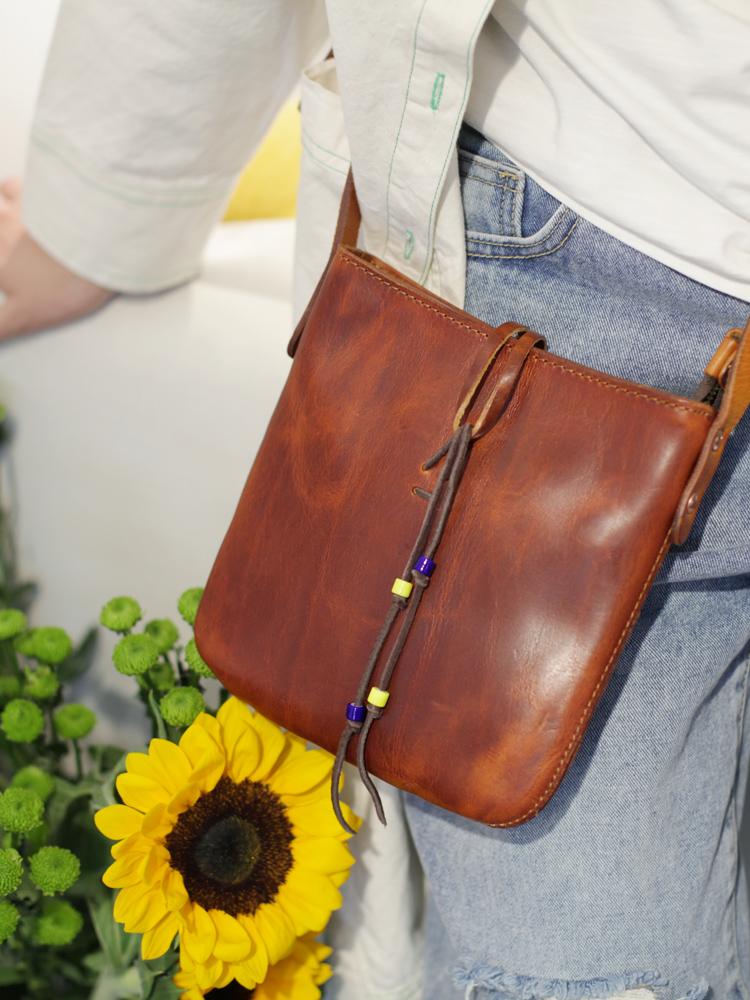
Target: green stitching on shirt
x,y
437,91
400,125
452,149
408,244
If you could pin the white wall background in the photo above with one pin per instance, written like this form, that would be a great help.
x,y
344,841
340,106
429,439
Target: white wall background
x,y
136,427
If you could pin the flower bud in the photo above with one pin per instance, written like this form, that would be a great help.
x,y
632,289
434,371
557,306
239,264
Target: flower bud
x,y
57,924
135,654
22,721
20,810
12,623
120,614
54,869
181,706
11,870
196,662
73,722
9,917
188,603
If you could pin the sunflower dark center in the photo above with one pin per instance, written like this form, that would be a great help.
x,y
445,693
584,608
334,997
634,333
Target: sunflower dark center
x,y
233,847
228,851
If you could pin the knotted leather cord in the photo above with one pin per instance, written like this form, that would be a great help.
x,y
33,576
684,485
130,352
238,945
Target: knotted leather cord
x,y
456,452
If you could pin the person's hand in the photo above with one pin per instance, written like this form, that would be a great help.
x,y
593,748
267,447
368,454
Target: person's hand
x,y
39,290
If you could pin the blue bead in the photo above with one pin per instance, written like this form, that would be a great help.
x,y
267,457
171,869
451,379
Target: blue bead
x,y
355,713
424,565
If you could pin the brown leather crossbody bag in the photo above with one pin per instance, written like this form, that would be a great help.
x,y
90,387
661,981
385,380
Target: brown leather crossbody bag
x,y
524,504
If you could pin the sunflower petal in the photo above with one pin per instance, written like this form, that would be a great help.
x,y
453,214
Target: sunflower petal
x,y
139,792
304,914
173,887
275,929
124,871
198,745
156,822
324,855
235,719
246,756
158,940
143,765
116,822
199,934
314,887
136,843
273,741
131,902
154,864
318,819
170,763
232,941
303,773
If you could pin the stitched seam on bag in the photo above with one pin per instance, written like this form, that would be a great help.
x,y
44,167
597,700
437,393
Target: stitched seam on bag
x,y
602,678
628,392
526,256
408,295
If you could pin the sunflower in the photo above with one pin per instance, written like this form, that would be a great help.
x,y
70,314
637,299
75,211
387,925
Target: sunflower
x,y
229,840
299,976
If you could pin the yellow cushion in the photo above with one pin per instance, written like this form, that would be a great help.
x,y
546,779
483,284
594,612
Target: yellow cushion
x,y
267,188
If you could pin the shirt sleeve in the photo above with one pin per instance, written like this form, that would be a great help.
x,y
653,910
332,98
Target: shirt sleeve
x,y
147,113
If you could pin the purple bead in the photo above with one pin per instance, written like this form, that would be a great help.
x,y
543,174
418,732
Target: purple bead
x,y
425,565
355,713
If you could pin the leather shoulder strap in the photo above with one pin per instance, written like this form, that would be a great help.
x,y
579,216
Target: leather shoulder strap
x,y
347,230
734,402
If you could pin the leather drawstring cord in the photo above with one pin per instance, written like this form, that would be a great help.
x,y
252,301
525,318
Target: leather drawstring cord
x,y
362,714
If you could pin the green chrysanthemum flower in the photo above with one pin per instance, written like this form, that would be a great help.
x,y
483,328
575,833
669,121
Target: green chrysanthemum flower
x,y
22,721
24,642
51,645
120,614
73,721
54,869
58,923
35,779
162,676
20,810
41,684
135,654
10,686
11,870
181,706
196,662
164,633
188,603
9,917
12,623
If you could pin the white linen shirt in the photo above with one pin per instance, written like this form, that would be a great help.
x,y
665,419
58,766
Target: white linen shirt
x,y
148,112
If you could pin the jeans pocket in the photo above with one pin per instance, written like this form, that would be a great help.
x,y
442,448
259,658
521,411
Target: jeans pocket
x,y
507,213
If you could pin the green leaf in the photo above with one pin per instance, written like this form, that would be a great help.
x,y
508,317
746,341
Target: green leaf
x,y
9,976
165,989
65,794
105,756
118,986
120,949
81,658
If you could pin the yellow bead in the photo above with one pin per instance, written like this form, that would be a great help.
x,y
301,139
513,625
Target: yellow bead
x,y
402,587
378,698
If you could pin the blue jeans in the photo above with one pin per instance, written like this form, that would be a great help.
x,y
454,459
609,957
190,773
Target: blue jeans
x,y
630,883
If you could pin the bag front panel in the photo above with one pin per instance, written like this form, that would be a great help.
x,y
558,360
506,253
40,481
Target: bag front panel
x,y
560,521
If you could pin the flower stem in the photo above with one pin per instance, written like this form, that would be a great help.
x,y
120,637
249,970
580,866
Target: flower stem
x,y
79,763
